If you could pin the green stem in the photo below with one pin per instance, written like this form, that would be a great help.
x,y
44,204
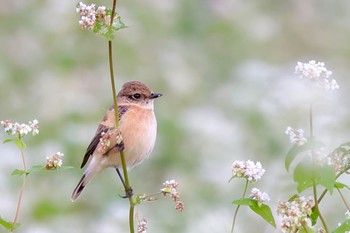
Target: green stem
x,y
314,186
236,211
305,228
125,171
14,222
343,199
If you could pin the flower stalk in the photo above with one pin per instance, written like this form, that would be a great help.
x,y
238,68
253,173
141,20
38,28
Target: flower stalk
x,y
125,171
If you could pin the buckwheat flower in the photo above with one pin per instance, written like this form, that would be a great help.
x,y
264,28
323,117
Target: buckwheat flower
x,y
316,72
295,214
170,187
87,15
101,14
339,160
247,169
296,136
260,197
54,161
142,227
20,130
35,126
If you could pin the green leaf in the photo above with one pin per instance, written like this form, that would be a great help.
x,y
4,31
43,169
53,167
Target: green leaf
x,y
314,215
326,177
8,140
8,225
344,227
296,150
339,185
19,172
19,143
242,201
264,211
295,196
303,175
261,209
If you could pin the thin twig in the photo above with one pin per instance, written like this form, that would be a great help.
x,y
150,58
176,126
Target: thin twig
x,y
236,211
14,222
314,185
342,197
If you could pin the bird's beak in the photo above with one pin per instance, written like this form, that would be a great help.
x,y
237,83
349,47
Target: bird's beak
x,y
155,95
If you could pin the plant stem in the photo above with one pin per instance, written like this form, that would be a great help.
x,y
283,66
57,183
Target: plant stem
x,y
14,222
236,211
125,171
314,185
342,197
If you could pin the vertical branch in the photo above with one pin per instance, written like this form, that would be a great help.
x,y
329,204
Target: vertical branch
x,y
116,112
314,185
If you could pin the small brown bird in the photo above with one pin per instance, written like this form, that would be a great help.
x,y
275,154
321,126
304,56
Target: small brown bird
x,y
137,130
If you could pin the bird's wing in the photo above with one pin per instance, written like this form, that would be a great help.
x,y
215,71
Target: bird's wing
x,y
101,130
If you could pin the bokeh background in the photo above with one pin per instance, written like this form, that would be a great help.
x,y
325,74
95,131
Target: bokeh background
x,y
226,69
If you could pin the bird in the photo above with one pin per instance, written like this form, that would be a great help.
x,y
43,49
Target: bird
x,y
135,135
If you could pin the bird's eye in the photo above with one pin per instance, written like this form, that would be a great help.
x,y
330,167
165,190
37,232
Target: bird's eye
x,y
136,96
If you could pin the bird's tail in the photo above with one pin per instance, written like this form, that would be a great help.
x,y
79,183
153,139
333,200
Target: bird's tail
x,y
88,175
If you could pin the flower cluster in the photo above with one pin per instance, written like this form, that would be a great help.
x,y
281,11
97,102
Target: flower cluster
x,y
142,227
20,130
295,214
98,20
54,161
260,197
338,159
316,72
296,136
113,136
247,169
170,187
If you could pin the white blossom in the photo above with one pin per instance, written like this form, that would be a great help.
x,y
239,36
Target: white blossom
x,y
54,161
142,227
259,196
247,169
20,129
316,72
296,136
170,187
295,213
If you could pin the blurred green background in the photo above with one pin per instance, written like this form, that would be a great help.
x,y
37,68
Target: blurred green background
x,y
226,69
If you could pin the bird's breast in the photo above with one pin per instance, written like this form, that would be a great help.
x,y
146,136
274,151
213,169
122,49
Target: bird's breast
x,y
139,131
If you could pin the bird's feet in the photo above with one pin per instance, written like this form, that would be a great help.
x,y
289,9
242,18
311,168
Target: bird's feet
x,y
128,193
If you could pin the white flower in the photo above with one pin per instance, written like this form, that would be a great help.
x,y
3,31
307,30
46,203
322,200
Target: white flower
x,y
170,187
316,72
87,15
55,161
295,213
259,196
296,136
142,228
20,130
247,169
